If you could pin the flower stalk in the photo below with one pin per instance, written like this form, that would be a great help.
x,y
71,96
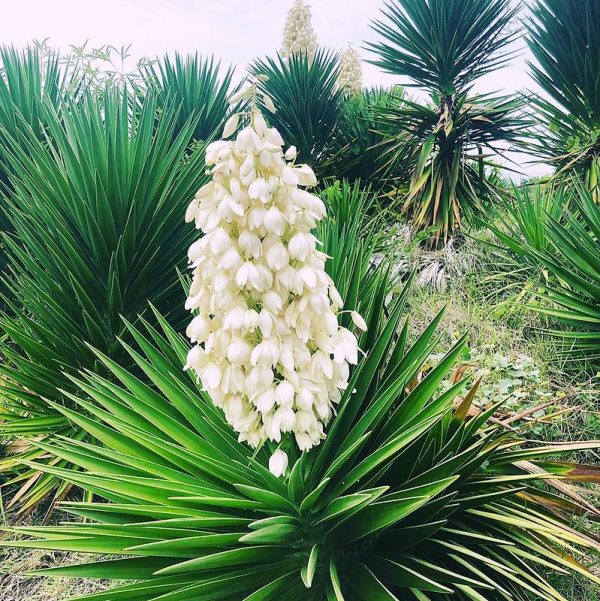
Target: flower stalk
x,y
268,347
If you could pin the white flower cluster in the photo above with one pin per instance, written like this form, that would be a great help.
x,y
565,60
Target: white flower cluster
x,y
267,344
350,76
298,34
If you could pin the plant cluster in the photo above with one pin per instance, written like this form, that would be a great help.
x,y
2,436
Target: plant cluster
x,y
95,232
308,441
553,235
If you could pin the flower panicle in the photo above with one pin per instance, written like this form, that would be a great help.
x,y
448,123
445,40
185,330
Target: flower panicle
x,y
268,347
298,33
350,73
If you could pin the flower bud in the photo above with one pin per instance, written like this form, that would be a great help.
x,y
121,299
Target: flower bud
x,y
231,125
278,463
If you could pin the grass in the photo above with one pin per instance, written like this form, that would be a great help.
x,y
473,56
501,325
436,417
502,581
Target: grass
x,y
15,585
576,588
509,347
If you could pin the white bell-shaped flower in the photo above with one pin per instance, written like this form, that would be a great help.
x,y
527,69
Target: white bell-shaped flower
x,y
278,462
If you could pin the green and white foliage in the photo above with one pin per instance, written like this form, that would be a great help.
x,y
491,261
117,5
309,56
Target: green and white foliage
x,y
406,498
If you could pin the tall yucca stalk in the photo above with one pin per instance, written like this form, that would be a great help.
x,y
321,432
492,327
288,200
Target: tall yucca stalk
x,y
197,87
96,208
309,102
564,37
439,154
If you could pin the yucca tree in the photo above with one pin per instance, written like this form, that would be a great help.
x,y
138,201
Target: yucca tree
x,y
442,157
407,498
96,208
309,102
439,153
197,87
564,37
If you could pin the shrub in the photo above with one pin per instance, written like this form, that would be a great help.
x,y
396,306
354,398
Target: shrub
x,y
308,100
525,216
405,499
355,211
358,152
193,85
28,79
550,237
97,219
573,297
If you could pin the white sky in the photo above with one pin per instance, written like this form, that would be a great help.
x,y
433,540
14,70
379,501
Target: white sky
x,y
235,31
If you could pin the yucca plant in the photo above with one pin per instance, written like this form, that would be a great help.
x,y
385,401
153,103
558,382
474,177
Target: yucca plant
x,y
96,208
197,87
442,157
441,149
28,78
350,205
309,102
407,498
520,226
523,222
548,240
525,219
358,146
355,212
564,37
573,297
